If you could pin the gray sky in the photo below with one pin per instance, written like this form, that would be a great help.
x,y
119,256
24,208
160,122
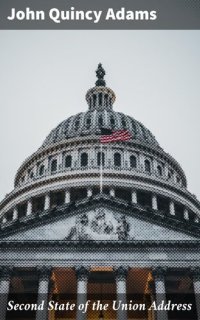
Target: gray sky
x,y
44,76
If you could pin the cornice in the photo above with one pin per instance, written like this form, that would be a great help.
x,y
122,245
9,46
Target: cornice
x,y
89,244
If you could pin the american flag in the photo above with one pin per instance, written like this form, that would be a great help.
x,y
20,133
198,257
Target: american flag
x,y
111,136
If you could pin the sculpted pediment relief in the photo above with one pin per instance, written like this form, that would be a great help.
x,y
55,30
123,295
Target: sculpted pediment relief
x,y
100,225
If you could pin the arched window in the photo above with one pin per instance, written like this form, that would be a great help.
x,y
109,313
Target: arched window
x,y
54,165
147,166
41,170
68,161
117,159
133,161
84,159
159,169
100,158
31,174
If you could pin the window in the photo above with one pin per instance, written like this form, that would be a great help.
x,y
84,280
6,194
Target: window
x,y
54,165
84,159
133,161
41,170
31,174
117,159
159,170
100,157
68,161
57,199
147,166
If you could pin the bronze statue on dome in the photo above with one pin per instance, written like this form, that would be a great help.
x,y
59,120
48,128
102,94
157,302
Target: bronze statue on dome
x,y
100,72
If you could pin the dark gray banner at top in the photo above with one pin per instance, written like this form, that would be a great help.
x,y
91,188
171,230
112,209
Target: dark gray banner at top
x,y
99,15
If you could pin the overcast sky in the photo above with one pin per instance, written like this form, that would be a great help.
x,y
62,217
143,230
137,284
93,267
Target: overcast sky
x,y
44,76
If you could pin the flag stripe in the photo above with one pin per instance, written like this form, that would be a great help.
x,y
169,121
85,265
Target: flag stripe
x,y
119,135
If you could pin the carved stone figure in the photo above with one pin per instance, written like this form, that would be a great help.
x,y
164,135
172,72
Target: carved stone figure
x,y
123,228
99,223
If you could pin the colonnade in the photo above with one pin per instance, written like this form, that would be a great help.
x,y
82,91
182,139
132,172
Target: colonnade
x,y
82,275
67,199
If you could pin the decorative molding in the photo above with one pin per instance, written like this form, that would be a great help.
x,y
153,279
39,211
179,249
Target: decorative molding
x,y
88,244
121,273
5,273
82,273
195,273
44,273
159,273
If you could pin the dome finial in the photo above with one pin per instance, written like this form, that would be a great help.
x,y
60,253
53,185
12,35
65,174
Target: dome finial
x,y
100,72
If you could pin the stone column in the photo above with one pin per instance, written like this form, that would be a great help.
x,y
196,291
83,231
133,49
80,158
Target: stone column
x,y
29,207
172,208
112,192
82,279
5,275
15,213
186,214
47,202
154,202
195,273
89,192
151,292
67,196
155,166
4,219
121,275
141,162
43,292
160,291
134,196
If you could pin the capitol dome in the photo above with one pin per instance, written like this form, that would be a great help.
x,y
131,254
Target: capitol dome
x,y
100,100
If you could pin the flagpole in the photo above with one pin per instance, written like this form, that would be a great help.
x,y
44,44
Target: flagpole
x,y
101,168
